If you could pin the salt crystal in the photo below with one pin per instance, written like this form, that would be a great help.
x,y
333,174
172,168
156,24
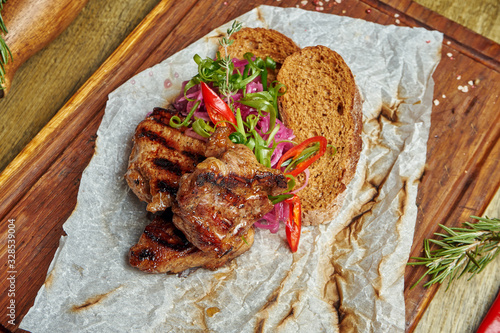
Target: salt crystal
x,y
470,83
319,8
436,102
398,21
396,15
459,77
449,54
444,96
303,2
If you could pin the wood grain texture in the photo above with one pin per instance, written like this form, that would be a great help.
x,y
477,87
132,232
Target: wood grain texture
x,y
49,79
461,308
31,26
458,179
46,161
453,186
482,16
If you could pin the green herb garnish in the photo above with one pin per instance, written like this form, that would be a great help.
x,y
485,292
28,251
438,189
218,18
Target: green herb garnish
x,y
225,87
221,74
460,251
175,121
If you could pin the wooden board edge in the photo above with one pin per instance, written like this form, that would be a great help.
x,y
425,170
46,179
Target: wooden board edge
x,y
31,149
38,155
485,157
413,14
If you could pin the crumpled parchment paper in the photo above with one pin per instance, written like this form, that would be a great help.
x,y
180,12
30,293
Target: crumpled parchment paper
x,y
355,263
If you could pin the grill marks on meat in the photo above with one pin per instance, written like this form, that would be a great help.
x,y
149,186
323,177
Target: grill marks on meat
x,y
162,248
160,156
216,190
224,195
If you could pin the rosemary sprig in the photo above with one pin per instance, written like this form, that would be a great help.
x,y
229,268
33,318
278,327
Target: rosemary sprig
x,y
225,62
461,250
4,49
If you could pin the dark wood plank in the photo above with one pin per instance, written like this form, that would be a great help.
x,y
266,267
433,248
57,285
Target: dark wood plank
x,y
39,217
54,161
37,157
462,173
50,78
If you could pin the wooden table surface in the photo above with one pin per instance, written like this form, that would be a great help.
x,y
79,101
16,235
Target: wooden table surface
x,y
50,78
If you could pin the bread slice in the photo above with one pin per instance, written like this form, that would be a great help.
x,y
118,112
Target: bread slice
x,y
322,99
262,43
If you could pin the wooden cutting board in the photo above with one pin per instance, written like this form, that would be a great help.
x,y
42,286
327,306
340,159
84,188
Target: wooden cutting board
x,y
38,189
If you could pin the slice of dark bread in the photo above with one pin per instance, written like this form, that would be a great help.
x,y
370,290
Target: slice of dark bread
x,y
262,43
322,99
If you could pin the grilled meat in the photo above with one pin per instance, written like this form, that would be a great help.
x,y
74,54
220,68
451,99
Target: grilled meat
x,y
162,248
160,156
224,195
215,200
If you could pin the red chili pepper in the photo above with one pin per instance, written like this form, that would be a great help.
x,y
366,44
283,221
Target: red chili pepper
x,y
295,151
217,109
491,323
294,222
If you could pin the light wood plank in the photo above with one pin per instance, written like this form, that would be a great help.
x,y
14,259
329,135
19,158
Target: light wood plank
x,y
49,79
481,16
67,63
463,306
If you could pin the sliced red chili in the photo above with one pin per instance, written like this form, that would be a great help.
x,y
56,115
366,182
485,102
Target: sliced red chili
x,y
491,322
217,109
295,151
294,222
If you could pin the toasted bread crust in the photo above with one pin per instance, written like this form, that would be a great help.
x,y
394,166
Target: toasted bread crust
x,y
262,43
322,99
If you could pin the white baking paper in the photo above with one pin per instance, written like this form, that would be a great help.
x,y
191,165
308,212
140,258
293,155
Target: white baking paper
x,y
355,263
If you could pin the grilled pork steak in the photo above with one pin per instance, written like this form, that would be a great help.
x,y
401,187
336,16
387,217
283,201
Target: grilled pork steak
x,y
224,195
215,200
162,248
160,156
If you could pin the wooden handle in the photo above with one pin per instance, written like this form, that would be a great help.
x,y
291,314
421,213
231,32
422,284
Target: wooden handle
x,y
32,24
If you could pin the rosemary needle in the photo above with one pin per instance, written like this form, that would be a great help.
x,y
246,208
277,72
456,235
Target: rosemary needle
x,y
460,250
226,62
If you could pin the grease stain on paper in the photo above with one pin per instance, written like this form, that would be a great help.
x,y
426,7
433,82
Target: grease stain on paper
x,y
94,300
